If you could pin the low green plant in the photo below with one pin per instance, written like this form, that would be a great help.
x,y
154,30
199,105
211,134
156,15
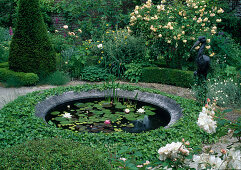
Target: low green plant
x,y
133,72
52,153
18,78
227,92
4,65
94,73
57,78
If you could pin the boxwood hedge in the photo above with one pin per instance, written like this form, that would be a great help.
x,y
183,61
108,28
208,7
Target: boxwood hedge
x,y
18,124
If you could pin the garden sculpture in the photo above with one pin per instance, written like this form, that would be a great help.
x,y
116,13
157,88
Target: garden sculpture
x,y
203,61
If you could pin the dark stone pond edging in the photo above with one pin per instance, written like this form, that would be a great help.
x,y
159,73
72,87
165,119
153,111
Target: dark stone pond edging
x,y
164,102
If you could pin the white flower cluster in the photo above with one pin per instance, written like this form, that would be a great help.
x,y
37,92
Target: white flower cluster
x,y
172,151
232,160
206,161
205,119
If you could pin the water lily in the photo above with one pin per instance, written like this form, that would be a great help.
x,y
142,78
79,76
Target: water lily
x,y
127,110
67,115
141,110
107,122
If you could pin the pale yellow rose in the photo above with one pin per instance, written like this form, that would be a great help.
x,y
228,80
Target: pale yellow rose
x,y
185,41
208,47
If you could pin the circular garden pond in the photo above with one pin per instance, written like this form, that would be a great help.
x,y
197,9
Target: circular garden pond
x,y
105,111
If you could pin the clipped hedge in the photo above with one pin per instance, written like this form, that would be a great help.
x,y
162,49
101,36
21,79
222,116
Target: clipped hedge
x,y
52,153
19,124
4,65
167,76
24,79
30,49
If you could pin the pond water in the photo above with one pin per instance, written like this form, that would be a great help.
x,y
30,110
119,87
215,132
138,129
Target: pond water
x,y
108,115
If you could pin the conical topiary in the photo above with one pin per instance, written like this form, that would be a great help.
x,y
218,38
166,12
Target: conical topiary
x,y
30,49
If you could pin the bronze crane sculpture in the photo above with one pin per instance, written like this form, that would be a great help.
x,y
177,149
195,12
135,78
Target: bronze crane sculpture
x,y
203,61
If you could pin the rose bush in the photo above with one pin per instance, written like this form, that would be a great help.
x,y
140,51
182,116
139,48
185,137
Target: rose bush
x,y
173,29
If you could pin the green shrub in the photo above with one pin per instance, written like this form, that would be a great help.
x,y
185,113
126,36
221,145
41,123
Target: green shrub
x,y
4,65
119,48
228,52
52,153
226,92
93,73
30,49
57,78
167,76
20,78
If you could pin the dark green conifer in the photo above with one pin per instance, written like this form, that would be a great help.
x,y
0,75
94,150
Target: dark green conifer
x,y
30,49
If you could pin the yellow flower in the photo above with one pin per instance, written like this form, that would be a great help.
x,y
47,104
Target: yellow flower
x,y
65,27
208,40
169,41
185,41
101,58
80,30
212,54
205,19
183,32
107,25
218,20
107,32
197,47
208,47
212,15
102,52
160,35
183,26
99,61
220,11
97,41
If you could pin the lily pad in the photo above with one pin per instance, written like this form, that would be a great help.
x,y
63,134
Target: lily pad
x,y
148,112
60,119
55,113
80,104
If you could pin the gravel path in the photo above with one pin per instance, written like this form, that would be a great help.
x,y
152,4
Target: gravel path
x,y
9,94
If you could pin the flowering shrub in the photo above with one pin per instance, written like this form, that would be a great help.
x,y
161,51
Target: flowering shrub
x,y
230,159
175,28
205,119
226,92
172,151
